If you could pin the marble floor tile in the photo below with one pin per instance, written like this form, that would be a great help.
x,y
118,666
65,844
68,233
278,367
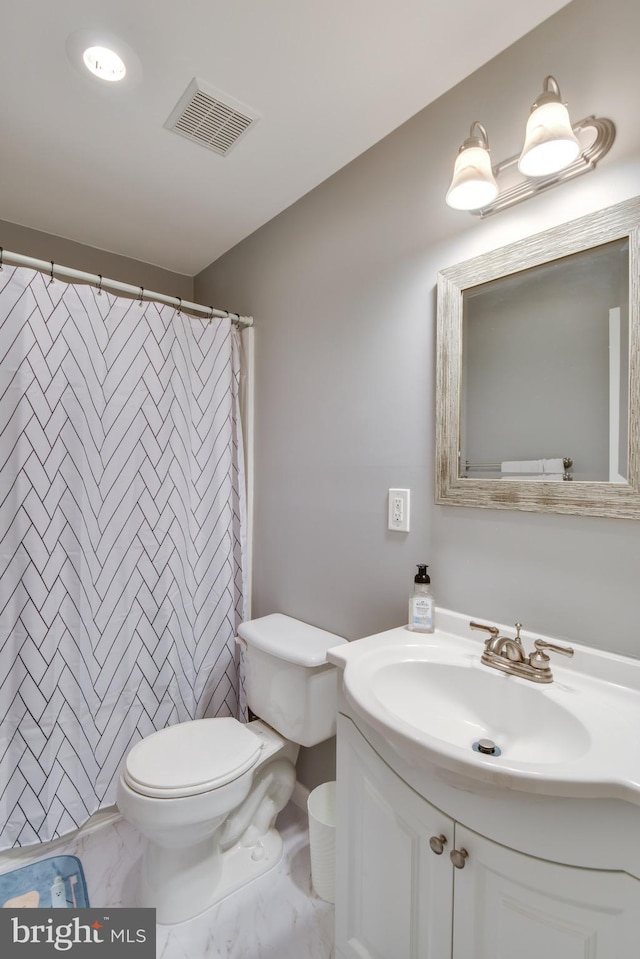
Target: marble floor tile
x,y
276,916
109,850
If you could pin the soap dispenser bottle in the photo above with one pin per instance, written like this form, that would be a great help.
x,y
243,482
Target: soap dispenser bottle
x,y
422,603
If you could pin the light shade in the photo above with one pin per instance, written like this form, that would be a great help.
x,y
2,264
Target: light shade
x,y
473,185
550,143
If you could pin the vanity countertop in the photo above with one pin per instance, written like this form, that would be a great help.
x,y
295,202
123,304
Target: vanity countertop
x,y
430,697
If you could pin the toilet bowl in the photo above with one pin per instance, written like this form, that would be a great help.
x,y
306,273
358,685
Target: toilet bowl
x,y
205,793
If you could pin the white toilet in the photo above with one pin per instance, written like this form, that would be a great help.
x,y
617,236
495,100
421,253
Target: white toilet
x,y
206,793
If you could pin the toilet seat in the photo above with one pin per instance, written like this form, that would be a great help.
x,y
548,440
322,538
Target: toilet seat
x,y
191,758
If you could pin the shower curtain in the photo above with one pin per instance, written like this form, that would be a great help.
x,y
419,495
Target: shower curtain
x,y
122,528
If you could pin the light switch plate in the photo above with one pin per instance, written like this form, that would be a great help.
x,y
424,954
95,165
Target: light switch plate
x,y
399,510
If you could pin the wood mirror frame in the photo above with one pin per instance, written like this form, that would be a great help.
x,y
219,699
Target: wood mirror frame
x,y
620,500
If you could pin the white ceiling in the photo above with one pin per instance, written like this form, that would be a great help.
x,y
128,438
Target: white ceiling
x,y
92,161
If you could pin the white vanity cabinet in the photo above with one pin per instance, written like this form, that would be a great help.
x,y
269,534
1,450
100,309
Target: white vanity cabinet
x,y
399,899
508,905
389,884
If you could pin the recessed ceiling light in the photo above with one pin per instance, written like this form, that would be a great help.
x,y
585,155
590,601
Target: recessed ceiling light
x,y
104,63
108,58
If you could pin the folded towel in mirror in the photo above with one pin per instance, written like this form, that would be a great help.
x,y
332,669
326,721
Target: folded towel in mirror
x,y
534,477
522,466
554,465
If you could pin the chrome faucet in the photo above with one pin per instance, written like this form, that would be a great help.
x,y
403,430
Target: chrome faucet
x,y
508,655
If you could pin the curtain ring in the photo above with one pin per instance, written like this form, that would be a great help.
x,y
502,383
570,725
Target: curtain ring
x,y
100,284
179,298
51,274
210,316
141,294
1,255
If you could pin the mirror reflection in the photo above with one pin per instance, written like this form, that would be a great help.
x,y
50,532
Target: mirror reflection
x,y
545,371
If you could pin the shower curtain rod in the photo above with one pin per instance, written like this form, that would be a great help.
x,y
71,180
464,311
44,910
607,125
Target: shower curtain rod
x,y
96,279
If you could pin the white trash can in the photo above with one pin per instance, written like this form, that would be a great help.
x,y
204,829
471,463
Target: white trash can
x,y
321,806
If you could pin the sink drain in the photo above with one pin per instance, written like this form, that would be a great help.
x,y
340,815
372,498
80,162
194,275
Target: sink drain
x,y
487,747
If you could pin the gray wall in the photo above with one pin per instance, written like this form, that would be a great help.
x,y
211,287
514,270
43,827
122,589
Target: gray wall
x,y
44,246
342,287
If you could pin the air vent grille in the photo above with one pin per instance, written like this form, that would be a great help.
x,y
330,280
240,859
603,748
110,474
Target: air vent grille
x,y
211,118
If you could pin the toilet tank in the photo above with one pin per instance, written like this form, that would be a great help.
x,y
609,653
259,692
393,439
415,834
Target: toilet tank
x,y
288,682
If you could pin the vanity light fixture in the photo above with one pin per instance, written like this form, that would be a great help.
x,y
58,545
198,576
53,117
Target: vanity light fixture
x,y
554,151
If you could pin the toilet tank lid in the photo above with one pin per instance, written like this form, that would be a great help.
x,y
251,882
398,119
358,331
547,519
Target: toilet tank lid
x,y
287,638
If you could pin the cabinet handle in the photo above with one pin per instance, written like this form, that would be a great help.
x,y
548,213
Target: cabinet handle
x,y
459,857
437,844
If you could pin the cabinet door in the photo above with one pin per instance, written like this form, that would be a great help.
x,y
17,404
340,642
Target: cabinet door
x,y
511,905
393,894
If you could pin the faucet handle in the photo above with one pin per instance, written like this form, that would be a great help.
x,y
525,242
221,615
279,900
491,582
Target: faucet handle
x,y
540,644
492,630
540,660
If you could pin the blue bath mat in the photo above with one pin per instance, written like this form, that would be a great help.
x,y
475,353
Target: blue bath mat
x,y
49,883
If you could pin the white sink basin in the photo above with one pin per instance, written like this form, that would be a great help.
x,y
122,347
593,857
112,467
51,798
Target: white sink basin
x,y
433,700
460,705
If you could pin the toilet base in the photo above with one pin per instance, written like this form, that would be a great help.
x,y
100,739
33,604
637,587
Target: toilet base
x,y
240,865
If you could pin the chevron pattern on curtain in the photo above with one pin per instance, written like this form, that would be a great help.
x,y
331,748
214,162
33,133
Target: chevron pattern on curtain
x,y
122,528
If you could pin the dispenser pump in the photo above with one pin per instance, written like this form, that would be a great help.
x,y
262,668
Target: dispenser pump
x,y
422,603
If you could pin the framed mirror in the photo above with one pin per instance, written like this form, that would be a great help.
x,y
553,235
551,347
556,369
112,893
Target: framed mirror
x,y
538,379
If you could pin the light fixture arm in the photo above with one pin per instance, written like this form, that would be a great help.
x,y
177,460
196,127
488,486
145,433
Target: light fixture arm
x,y
550,93
474,139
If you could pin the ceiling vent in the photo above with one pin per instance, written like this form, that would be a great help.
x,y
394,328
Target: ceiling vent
x,y
211,118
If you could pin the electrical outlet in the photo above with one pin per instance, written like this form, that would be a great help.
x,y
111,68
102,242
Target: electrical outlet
x,y
399,510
